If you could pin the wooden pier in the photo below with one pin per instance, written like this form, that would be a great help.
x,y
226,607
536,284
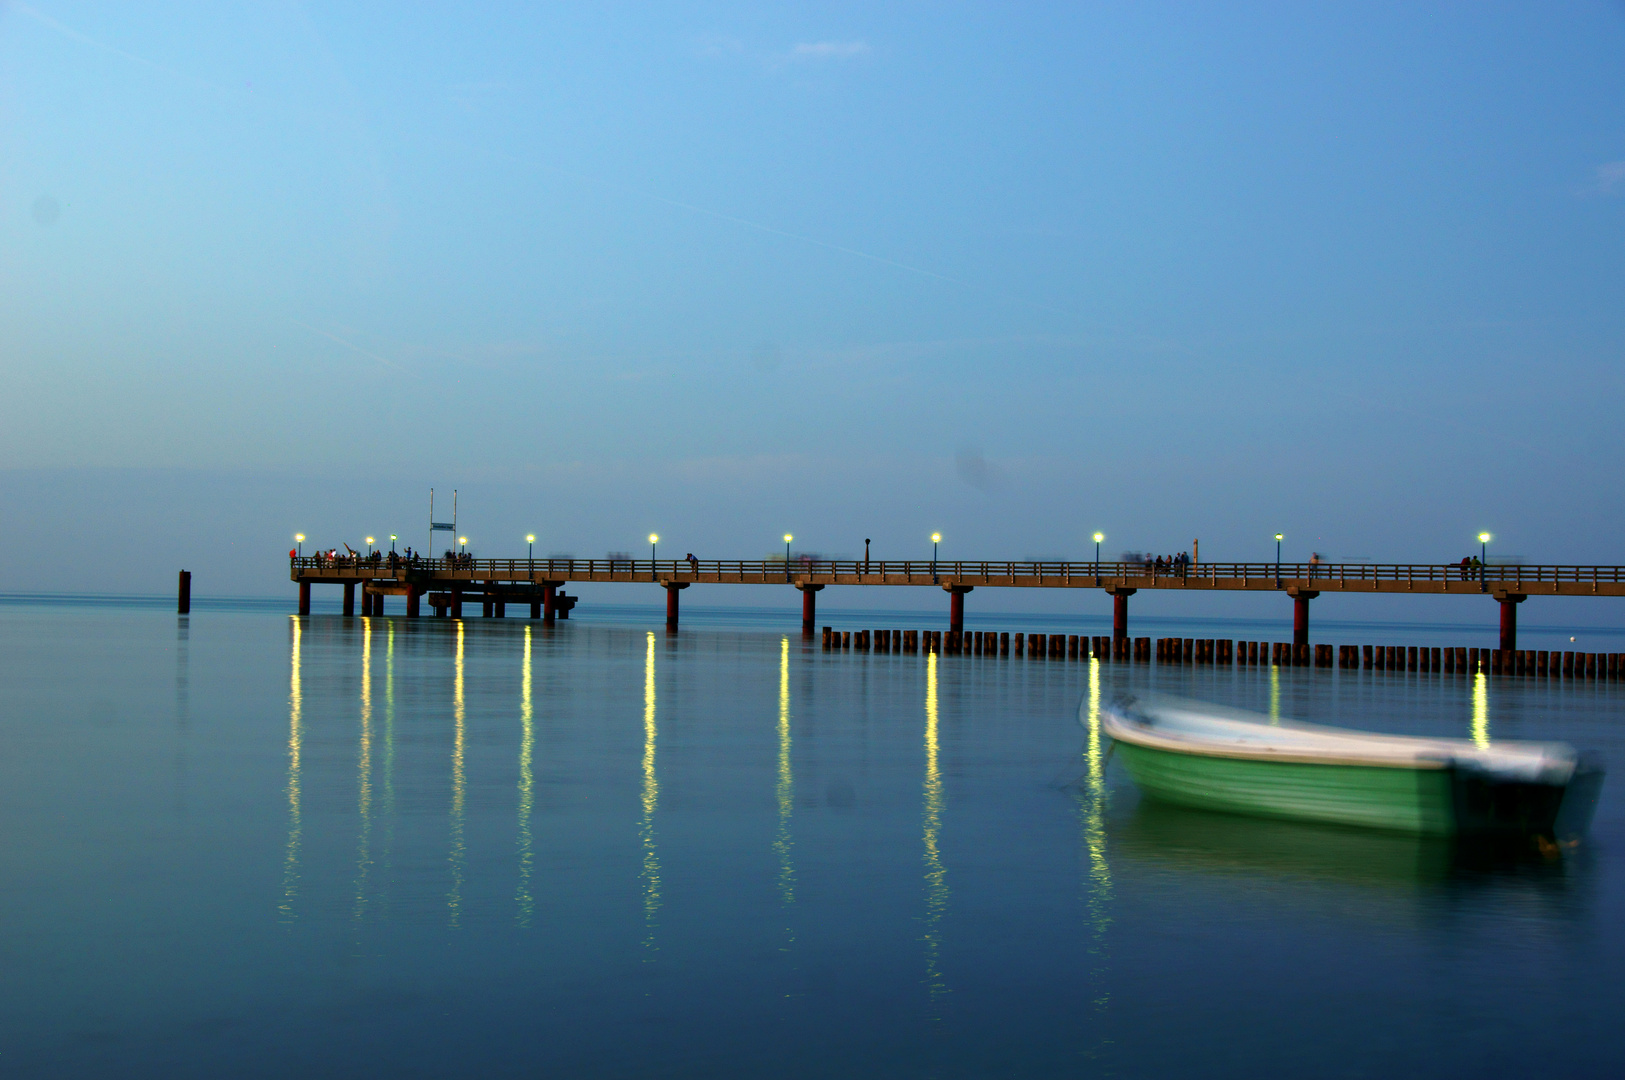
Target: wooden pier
x,y
448,583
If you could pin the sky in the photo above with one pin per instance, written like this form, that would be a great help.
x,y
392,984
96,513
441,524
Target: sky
x,y
1011,273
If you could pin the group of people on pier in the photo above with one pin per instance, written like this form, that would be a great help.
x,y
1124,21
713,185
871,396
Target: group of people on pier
x,y
1172,565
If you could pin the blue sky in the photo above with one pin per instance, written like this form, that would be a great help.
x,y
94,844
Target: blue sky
x,y
1013,273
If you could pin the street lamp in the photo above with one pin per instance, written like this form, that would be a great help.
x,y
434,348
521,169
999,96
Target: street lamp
x,y
654,538
530,549
392,539
369,545
299,538
936,538
1277,560
1099,536
463,543
787,539
1484,539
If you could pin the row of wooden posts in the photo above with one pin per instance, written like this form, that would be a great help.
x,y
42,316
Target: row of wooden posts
x,y
1447,661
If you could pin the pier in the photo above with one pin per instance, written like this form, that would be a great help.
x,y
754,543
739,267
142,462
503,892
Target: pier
x,y
448,583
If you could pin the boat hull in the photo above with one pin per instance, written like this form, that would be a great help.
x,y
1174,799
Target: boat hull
x,y
1412,800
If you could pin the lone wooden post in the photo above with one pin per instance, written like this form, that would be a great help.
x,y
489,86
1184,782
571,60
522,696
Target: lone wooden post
x,y
183,601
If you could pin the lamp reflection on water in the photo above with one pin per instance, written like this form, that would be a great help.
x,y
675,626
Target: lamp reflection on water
x,y
1094,836
290,860
651,798
526,901
786,785
454,898
364,774
936,883
1481,709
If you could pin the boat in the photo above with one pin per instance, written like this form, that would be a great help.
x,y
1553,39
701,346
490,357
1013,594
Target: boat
x,y
1216,758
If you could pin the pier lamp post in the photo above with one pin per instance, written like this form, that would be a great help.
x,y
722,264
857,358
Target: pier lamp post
x,y
1277,560
369,545
654,538
462,542
392,539
936,538
530,550
1484,539
787,539
1098,538
299,539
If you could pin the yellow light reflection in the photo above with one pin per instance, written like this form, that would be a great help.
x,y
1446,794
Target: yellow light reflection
x,y
1481,709
364,774
786,785
1275,693
1094,837
389,742
651,798
454,898
290,860
527,903
936,884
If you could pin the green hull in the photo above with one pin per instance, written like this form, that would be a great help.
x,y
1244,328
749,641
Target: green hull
x,y
1406,800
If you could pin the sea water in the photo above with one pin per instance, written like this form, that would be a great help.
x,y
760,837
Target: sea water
x,y
247,844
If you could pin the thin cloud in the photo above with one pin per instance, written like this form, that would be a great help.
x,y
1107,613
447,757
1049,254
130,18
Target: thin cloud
x,y
1610,179
84,39
829,50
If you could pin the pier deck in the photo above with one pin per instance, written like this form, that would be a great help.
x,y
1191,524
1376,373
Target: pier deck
x,y
449,581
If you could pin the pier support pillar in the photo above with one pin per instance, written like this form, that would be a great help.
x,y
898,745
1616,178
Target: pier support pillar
x,y
672,589
414,601
1119,597
548,593
456,603
956,606
304,598
183,599
536,609
499,608
378,605
809,606
1509,618
349,599
1300,613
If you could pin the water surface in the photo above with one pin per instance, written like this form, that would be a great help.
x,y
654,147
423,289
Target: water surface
x,y
247,844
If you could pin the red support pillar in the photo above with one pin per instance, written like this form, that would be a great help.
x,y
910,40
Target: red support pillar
x,y
1120,615
349,599
1509,621
304,598
809,607
956,612
414,597
1300,614
548,592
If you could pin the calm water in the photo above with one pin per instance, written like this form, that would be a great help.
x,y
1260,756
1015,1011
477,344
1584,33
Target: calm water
x,y
251,845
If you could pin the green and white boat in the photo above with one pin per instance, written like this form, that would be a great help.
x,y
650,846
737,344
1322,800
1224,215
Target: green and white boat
x,y
1223,759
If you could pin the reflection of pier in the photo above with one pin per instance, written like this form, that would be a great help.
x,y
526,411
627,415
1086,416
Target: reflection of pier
x,y
449,583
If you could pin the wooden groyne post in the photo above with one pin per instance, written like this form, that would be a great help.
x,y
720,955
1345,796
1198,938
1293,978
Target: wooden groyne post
x,y
183,601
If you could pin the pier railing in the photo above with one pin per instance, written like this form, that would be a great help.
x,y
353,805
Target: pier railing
x,y
924,571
